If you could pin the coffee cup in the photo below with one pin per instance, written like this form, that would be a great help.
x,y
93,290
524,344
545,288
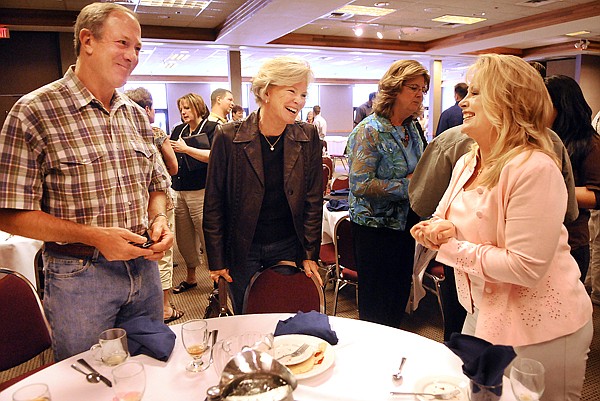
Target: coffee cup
x,y
112,347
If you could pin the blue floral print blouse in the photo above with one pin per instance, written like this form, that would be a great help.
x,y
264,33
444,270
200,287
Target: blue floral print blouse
x,y
379,164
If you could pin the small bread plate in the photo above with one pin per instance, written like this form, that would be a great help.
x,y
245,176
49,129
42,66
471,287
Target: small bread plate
x,y
442,384
315,360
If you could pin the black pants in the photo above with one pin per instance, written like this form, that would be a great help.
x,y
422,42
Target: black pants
x,y
582,257
454,313
384,259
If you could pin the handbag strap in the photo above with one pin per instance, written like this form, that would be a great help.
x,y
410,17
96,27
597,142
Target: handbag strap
x,y
223,296
196,131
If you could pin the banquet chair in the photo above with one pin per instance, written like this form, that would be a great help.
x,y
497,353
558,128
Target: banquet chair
x,y
345,265
24,330
328,161
326,176
340,182
432,280
283,288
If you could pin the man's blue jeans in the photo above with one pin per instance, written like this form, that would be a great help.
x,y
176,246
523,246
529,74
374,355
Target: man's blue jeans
x,y
83,297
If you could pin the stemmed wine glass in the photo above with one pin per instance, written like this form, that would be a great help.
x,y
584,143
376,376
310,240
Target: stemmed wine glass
x,y
129,381
527,379
194,334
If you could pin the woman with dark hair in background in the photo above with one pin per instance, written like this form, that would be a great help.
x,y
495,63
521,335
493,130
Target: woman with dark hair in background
x,y
383,151
573,124
189,184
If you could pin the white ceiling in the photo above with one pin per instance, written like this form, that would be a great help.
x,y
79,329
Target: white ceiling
x,y
261,29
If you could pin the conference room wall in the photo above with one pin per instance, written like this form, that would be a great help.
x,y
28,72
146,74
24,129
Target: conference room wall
x,y
176,90
336,108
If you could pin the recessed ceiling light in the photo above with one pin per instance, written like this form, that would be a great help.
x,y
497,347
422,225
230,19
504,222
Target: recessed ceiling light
x,y
367,11
358,31
457,19
381,4
577,33
379,35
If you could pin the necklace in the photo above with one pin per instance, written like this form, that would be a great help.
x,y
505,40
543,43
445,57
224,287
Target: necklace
x,y
406,137
272,145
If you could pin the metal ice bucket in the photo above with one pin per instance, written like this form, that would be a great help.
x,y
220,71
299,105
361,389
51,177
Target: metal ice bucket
x,y
254,376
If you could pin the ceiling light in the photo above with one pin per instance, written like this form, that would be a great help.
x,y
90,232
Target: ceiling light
x,y
379,35
381,4
457,19
367,11
582,44
577,33
358,31
200,5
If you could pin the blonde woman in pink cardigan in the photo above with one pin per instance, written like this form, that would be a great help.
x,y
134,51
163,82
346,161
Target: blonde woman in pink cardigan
x,y
500,226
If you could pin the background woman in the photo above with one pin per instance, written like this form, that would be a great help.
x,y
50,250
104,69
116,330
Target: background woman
x,y
189,184
383,151
573,124
263,196
514,273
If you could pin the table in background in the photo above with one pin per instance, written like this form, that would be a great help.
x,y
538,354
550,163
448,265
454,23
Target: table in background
x,y
18,253
336,145
330,219
365,357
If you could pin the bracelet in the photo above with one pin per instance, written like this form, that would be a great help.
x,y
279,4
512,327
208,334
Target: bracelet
x,y
157,215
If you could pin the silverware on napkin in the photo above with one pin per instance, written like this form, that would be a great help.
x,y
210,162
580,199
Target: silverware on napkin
x,y
87,365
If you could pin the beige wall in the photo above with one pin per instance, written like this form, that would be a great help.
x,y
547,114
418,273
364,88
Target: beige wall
x,y
589,80
336,108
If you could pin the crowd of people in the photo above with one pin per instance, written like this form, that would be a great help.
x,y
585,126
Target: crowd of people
x,y
501,198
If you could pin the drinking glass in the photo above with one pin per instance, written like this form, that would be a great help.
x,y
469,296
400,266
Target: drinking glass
x,y
194,334
229,347
112,347
527,379
129,381
32,392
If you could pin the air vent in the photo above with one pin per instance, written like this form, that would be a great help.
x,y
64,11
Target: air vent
x,y
338,16
535,3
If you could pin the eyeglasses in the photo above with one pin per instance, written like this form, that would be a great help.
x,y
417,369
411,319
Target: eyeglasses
x,y
414,88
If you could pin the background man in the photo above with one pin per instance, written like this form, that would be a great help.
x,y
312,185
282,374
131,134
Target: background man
x,y
237,112
364,109
452,116
221,103
79,170
319,122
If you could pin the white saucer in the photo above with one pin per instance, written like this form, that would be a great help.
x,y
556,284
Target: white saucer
x,y
442,384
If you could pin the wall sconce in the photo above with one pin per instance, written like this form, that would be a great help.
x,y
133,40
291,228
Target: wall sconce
x,y
582,44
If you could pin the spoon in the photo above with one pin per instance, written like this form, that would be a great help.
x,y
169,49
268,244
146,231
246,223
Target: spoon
x,y
214,334
90,377
398,375
440,396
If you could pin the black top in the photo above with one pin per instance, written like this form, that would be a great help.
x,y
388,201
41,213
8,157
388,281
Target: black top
x,y
191,179
275,219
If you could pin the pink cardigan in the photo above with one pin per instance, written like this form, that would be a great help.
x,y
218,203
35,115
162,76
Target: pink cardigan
x,y
532,291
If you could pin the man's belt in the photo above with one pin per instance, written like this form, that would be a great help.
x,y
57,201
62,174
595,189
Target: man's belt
x,y
71,250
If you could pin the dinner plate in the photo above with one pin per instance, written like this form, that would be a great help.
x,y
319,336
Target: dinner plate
x,y
442,384
289,345
313,342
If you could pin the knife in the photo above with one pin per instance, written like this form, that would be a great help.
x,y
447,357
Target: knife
x,y
214,334
87,365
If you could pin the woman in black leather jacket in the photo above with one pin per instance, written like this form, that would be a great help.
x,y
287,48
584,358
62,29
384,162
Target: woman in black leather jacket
x,y
263,200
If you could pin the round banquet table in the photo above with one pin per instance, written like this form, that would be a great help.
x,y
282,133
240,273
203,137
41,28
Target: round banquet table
x,y
365,357
18,253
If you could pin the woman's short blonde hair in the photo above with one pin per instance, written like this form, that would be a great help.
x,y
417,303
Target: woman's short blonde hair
x,y
391,84
280,71
518,106
196,102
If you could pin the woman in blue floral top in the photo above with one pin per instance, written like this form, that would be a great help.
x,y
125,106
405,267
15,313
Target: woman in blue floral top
x,y
383,151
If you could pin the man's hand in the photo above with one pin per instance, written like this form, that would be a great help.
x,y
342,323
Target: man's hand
x,y
215,274
311,267
162,236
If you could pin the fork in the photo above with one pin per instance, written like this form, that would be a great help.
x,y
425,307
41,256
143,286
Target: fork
x,y
294,354
440,396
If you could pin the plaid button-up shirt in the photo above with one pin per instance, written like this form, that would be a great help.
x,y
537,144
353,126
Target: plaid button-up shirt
x,y
63,153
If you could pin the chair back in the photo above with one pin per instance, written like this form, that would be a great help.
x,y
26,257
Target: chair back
x,y
326,176
24,330
283,288
328,161
340,182
344,244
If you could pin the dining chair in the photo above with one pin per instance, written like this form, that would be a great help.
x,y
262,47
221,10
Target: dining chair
x,y
345,265
283,288
432,280
340,182
326,177
328,161
24,330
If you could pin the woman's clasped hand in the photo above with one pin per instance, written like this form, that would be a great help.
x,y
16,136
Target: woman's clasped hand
x,y
433,232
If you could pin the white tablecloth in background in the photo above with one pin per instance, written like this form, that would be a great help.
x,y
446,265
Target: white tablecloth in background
x,y
330,219
365,357
336,144
18,253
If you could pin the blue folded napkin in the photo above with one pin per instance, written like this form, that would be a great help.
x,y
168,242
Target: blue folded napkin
x,y
483,362
335,205
312,324
149,337
340,192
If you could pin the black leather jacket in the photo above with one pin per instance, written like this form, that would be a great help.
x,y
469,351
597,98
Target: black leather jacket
x,y
235,190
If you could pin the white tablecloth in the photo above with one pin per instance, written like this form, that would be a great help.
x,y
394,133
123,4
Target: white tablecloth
x,y
365,357
336,144
330,219
18,253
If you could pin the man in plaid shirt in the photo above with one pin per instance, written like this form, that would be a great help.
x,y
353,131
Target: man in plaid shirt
x,y
78,170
